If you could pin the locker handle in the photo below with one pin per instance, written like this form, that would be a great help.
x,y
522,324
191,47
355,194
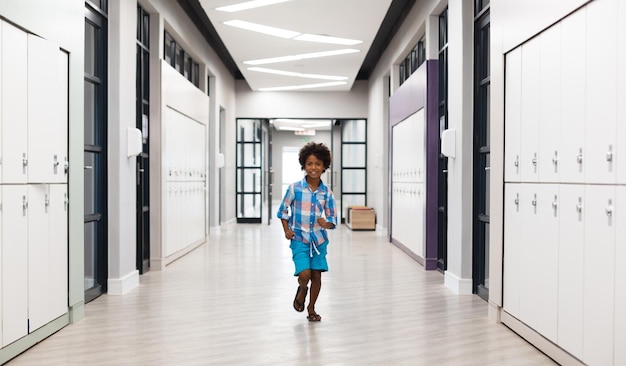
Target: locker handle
x,y
24,160
579,205
535,160
534,201
609,209
88,167
579,158
609,154
516,199
516,162
555,158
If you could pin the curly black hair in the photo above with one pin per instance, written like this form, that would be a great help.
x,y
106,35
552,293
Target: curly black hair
x,y
320,151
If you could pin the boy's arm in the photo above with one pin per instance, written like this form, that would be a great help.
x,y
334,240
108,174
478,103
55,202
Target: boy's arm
x,y
289,234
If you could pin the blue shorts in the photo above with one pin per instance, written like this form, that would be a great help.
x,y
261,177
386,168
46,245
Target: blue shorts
x,y
301,254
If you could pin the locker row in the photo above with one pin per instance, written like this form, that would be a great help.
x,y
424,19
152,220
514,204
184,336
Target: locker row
x,y
33,266
563,249
565,115
408,149
407,189
184,208
33,109
184,145
407,210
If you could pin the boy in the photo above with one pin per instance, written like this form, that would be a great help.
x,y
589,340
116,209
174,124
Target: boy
x,y
309,200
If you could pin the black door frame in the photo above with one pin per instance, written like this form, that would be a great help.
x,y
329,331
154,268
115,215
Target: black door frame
x,y
96,147
442,170
142,121
480,266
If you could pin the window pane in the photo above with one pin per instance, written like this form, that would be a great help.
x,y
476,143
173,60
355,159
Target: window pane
x,y
353,181
91,32
354,130
90,184
249,180
353,156
90,113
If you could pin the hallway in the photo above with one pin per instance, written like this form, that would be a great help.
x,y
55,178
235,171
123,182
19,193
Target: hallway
x,y
229,303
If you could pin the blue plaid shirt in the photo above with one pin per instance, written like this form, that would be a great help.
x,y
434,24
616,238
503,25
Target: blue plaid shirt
x,y
306,207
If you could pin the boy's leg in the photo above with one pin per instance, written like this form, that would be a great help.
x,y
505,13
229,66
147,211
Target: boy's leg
x,y
316,285
303,280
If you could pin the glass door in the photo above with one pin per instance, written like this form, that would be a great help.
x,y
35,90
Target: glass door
x,y
249,171
95,120
481,151
142,119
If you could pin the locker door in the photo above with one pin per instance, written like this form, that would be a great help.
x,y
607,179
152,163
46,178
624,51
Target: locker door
x,y
1,108
570,263
529,158
572,159
61,120
620,276
1,247
58,250
512,115
14,106
620,148
599,275
38,255
601,126
539,290
44,110
550,104
14,263
512,248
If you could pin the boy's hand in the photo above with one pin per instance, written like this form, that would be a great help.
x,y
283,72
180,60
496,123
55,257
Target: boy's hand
x,y
325,224
289,234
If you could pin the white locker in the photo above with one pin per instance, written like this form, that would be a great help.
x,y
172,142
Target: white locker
x,y
539,279
601,91
14,105
620,148
513,264
572,160
45,119
529,131
1,113
570,264
58,211
599,275
38,255
513,115
620,276
14,263
550,104
1,258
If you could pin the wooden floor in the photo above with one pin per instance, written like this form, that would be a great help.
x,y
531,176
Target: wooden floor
x,y
229,302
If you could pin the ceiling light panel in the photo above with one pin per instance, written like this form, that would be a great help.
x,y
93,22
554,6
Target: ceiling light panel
x,y
259,28
303,56
306,86
327,39
297,74
249,5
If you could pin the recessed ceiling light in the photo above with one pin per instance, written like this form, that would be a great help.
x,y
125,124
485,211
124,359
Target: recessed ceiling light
x,y
327,39
248,5
306,86
277,32
289,128
297,74
300,57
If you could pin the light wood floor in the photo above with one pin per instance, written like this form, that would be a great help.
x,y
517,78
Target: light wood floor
x,y
229,302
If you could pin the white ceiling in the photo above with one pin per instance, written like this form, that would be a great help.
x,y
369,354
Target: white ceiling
x,y
352,19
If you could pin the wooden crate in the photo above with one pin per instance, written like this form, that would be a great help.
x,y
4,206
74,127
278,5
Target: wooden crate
x,y
361,218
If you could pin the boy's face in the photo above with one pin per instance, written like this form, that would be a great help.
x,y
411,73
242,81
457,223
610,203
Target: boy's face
x,y
313,167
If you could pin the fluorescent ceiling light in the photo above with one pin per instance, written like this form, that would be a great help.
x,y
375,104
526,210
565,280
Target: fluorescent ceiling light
x,y
327,39
302,56
306,86
297,74
289,128
248,5
277,32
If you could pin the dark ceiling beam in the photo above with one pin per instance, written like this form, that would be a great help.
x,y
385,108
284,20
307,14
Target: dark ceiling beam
x,y
398,10
198,16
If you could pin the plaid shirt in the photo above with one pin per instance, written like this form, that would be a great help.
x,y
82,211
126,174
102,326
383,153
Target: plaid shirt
x,y
306,207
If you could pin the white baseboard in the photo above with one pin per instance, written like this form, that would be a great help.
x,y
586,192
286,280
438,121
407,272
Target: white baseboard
x,y
121,286
460,286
